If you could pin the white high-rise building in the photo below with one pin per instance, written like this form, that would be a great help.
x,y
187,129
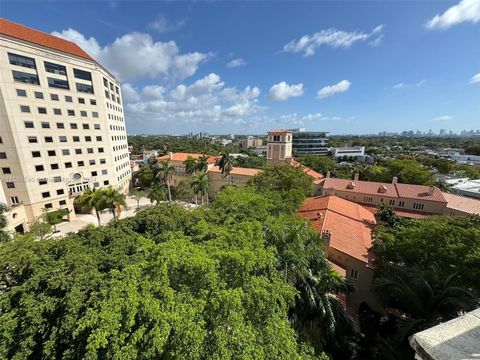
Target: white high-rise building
x,y
62,126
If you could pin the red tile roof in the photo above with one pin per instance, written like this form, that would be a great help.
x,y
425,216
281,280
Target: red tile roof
x,y
462,203
237,171
350,224
410,191
312,173
184,156
24,33
400,212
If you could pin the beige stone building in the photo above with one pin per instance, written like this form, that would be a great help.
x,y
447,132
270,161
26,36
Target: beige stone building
x,y
238,177
62,125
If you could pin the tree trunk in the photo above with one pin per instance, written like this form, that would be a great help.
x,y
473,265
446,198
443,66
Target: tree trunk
x,y
169,192
196,199
98,216
206,195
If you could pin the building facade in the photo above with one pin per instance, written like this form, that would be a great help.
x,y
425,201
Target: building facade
x,y
348,152
62,124
309,142
279,146
251,142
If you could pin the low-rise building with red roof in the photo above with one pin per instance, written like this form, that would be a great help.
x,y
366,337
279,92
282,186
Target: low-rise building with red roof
x,y
238,177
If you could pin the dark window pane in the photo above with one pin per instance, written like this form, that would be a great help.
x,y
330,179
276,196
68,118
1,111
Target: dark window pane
x,y
55,68
57,83
80,74
21,61
25,77
84,88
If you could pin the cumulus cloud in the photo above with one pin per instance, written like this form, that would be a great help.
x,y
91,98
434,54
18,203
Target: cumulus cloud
x,y
443,118
136,56
398,86
308,44
327,91
236,63
162,25
464,11
282,91
294,119
206,101
475,79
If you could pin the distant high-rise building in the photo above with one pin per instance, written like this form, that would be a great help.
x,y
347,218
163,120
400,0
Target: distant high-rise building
x,y
62,125
309,142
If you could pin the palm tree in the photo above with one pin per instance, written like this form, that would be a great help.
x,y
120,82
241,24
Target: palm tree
x,y
92,200
424,296
190,165
200,186
157,193
113,200
226,165
137,196
165,173
202,163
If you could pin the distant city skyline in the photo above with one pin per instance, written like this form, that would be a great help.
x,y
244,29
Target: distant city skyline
x,y
247,67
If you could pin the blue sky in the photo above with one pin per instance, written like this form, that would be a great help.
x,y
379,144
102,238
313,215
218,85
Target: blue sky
x,y
246,67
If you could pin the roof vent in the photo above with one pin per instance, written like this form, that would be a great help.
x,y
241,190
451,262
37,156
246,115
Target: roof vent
x,y
351,185
382,189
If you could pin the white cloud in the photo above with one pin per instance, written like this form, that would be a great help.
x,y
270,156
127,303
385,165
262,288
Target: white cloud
x,y
135,56
206,101
162,25
236,63
327,91
398,86
294,119
307,44
464,11
421,82
443,118
475,79
282,91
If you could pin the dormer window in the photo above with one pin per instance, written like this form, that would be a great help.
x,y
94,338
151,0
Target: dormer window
x,y
382,189
351,185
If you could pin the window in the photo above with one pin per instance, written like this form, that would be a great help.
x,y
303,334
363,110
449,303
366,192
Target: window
x,y
106,182
80,163
105,82
107,94
3,155
94,173
24,108
62,202
95,114
42,110
96,126
91,162
85,126
104,172
116,90
54,166
36,154
42,181
100,150
6,170
99,138
60,126
68,165
73,126
38,95
90,150
93,102
60,191
32,139
83,113
368,199
80,74
76,138
88,138
418,206
54,97
10,184
78,151
401,203
48,206
57,179
58,83
51,153
20,60
46,194
48,139
71,112
111,86
62,139
55,68
20,76
14,200
81,100
21,93
65,152
28,124
391,202
354,274
84,88
39,168
68,99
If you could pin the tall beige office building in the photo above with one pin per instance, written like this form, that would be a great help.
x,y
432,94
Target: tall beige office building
x,y
62,126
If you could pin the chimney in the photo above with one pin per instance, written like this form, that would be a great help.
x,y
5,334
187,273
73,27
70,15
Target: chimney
x,y
326,236
170,155
395,180
431,189
356,176
328,174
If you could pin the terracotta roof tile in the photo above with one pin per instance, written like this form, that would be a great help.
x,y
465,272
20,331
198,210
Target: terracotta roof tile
x,y
24,33
462,203
312,173
350,224
401,212
237,171
184,156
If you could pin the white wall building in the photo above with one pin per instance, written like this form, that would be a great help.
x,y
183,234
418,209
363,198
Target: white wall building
x,y
350,151
62,126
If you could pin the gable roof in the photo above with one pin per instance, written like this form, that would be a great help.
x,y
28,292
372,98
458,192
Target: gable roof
x,y
184,156
17,31
317,177
462,203
349,224
237,171
396,190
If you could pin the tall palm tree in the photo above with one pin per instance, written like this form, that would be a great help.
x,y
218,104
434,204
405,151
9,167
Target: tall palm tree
x,y
190,165
165,174
226,165
202,163
200,186
157,193
425,296
92,199
113,200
